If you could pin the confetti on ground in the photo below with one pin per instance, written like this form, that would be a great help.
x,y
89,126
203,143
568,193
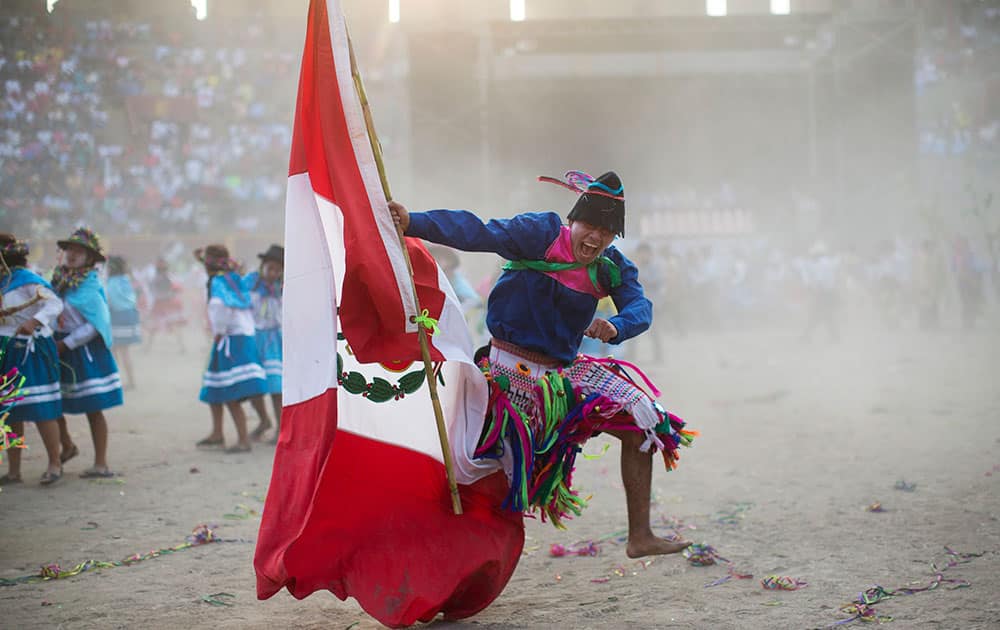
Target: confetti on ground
x,y
117,481
590,548
241,512
733,515
703,555
862,608
251,495
875,507
90,525
201,535
905,486
782,583
218,599
623,571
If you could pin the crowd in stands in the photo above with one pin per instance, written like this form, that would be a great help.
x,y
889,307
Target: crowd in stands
x,y
957,82
140,129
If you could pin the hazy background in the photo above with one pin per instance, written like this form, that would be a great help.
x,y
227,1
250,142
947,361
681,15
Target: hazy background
x,y
855,130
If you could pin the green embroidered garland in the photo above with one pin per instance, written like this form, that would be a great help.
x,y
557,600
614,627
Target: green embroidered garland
x,y
378,390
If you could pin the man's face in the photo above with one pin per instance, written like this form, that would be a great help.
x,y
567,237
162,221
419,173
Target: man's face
x,y
75,256
589,241
271,270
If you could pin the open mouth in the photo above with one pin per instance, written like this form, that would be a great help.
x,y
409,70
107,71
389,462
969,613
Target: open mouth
x,y
588,250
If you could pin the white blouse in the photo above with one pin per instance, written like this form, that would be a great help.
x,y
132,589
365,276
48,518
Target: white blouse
x,y
225,320
45,310
79,330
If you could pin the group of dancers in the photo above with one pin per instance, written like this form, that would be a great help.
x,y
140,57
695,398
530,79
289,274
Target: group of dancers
x,y
58,334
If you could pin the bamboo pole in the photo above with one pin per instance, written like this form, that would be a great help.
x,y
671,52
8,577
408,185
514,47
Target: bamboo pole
x,y
456,501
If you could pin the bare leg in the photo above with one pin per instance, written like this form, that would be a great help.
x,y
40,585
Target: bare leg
x,y
277,402
257,402
637,474
216,437
99,433
240,420
123,357
50,438
14,454
64,437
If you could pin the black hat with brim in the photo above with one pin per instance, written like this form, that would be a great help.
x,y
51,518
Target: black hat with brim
x,y
275,253
86,239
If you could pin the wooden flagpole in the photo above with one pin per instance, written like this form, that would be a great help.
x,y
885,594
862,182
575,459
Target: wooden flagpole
x,y
456,501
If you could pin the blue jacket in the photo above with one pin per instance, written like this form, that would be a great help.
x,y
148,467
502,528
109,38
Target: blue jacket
x,y
545,312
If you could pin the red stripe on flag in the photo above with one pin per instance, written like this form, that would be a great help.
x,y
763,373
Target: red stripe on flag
x,y
373,521
371,310
362,517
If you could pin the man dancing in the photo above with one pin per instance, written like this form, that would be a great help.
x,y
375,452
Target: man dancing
x,y
546,399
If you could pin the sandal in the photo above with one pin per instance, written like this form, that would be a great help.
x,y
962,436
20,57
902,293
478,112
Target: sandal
x,y
65,456
211,442
97,473
49,478
7,480
238,449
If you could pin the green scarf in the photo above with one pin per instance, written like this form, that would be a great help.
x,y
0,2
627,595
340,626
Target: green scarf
x,y
545,266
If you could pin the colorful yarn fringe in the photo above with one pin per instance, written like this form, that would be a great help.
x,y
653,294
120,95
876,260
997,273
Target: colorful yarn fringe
x,y
11,392
201,535
543,449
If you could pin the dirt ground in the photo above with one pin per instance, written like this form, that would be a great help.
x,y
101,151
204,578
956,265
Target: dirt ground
x,y
797,439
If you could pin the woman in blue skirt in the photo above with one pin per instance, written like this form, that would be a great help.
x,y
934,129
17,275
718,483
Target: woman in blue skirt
x,y
264,287
234,373
125,326
90,380
28,307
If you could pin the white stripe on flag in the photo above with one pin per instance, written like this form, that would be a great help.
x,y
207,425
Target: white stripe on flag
x,y
354,116
311,264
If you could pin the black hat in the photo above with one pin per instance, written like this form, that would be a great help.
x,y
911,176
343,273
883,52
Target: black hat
x,y
601,202
87,239
275,253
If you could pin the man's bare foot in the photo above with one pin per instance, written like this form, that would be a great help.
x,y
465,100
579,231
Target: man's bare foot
x,y
653,545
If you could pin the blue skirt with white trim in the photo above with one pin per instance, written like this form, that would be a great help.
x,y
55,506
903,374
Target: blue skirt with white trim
x,y
233,372
38,361
125,327
269,354
90,380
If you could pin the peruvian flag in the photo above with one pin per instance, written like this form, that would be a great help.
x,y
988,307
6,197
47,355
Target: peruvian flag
x,y
358,502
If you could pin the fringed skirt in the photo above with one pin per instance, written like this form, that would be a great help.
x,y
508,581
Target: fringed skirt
x,y
544,414
37,360
269,355
125,327
233,372
90,380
